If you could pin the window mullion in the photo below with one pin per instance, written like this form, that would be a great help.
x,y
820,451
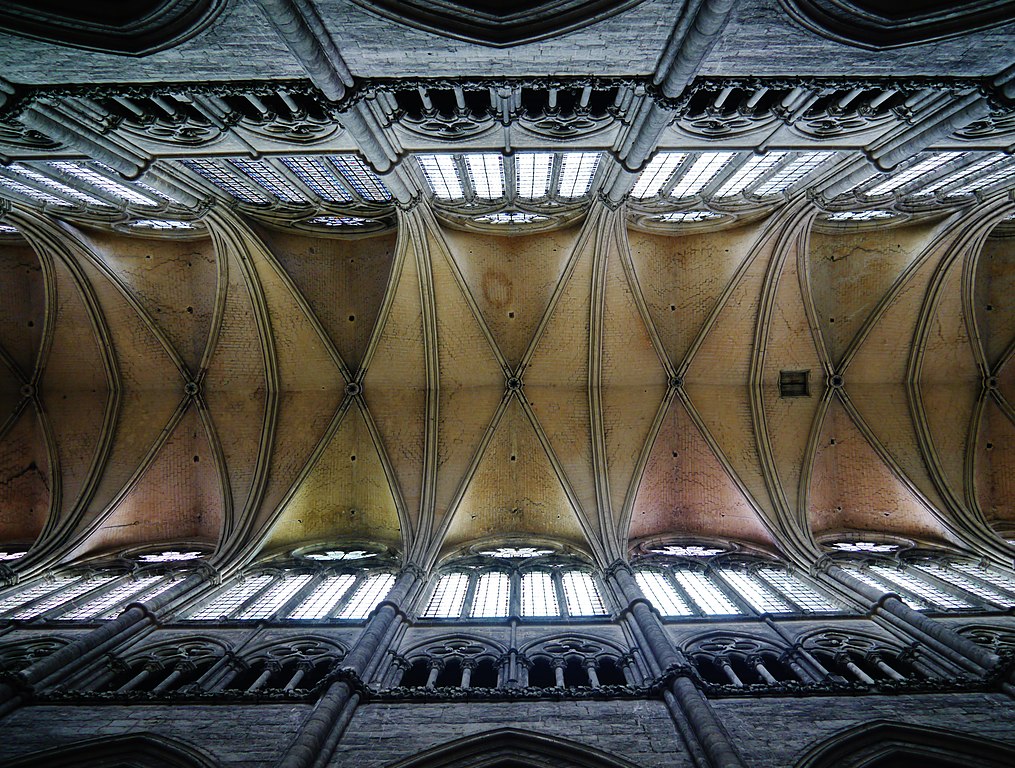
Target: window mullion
x,y
252,600
468,190
951,588
714,575
1009,591
893,586
76,602
678,173
289,605
286,172
730,170
689,601
558,588
354,195
470,594
510,180
515,594
552,187
338,607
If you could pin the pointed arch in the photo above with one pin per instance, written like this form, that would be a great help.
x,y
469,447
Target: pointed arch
x,y
870,744
507,747
140,750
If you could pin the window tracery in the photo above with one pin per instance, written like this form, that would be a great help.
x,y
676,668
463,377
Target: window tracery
x,y
740,660
690,581
525,582
931,581
84,596
331,584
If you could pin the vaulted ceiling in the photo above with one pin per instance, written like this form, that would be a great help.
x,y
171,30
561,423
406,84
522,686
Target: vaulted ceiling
x,y
341,336
260,390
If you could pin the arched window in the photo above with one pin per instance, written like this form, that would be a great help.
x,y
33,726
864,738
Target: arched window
x,y
299,665
695,581
460,662
929,580
99,592
525,582
329,585
164,668
856,658
738,660
574,662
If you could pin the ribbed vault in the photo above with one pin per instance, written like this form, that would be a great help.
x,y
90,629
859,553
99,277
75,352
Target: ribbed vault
x,y
260,390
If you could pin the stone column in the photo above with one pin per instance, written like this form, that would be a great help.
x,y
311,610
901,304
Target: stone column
x,y
60,665
320,734
923,628
691,712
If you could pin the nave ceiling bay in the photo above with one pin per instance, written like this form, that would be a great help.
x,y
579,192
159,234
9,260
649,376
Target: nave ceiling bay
x,y
255,390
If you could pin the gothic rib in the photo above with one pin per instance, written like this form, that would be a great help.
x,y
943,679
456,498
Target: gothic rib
x,y
431,357
143,315
964,247
731,471
403,243
621,525
591,533
229,235
605,227
433,547
797,220
947,524
42,234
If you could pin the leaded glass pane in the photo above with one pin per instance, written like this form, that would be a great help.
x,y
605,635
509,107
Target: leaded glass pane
x,y
963,581
441,174
486,174
954,178
280,593
581,595
532,170
227,182
539,598
326,595
361,178
492,595
701,172
273,181
989,575
63,596
116,597
655,175
757,595
662,594
20,597
928,592
748,173
448,597
61,188
885,586
707,595
370,592
143,597
233,597
792,172
796,590
320,177
577,169
913,172
113,188
32,193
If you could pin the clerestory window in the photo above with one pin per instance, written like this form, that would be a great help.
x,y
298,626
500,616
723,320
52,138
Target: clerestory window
x,y
698,581
332,584
524,582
